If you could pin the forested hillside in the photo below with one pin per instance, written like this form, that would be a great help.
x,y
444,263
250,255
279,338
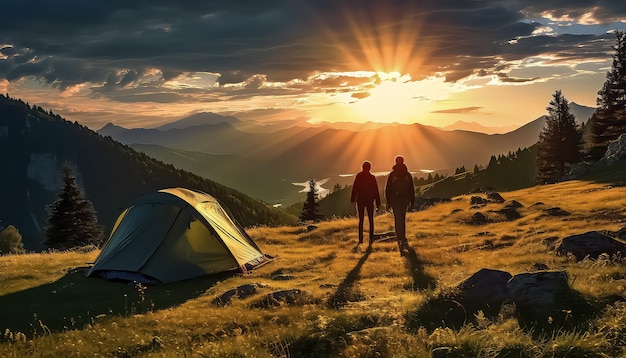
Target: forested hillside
x,y
35,144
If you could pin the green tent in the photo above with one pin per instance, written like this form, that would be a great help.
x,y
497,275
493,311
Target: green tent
x,y
172,235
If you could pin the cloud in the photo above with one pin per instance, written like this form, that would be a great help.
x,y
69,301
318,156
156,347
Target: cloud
x,y
598,11
459,110
360,95
112,45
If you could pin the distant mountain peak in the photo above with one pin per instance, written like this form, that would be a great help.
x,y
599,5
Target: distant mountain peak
x,y
477,127
108,126
199,119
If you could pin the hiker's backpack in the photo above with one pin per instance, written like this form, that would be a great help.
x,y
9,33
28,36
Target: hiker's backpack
x,y
399,186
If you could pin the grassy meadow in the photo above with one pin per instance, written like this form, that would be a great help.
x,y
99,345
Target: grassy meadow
x,y
353,301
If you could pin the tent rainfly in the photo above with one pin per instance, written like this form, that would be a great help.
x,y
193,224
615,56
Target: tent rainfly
x,y
172,235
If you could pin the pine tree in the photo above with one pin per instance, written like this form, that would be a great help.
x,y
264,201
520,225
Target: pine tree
x,y
310,208
73,221
609,120
560,142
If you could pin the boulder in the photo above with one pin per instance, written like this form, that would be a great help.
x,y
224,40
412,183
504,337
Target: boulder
x,y
621,233
495,197
556,211
615,150
240,292
514,204
478,218
283,297
544,300
509,214
485,290
477,200
590,244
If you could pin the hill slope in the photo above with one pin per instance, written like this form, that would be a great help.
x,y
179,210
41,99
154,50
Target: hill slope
x,y
297,154
276,158
327,298
35,144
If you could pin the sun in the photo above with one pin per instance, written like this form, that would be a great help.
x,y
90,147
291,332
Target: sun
x,y
396,55
395,99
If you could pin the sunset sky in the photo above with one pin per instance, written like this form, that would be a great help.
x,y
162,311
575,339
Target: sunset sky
x,y
144,63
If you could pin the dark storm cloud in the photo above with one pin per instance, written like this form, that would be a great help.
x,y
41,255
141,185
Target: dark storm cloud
x,y
112,43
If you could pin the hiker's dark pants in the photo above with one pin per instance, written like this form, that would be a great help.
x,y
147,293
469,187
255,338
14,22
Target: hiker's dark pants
x,y
399,208
360,207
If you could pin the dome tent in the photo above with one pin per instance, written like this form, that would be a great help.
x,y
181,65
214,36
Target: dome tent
x,y
172,235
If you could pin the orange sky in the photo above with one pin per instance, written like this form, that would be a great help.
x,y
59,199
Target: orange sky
x,y
397,61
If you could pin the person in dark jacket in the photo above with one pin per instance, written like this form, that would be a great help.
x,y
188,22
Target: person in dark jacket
x,y
400,194
365,194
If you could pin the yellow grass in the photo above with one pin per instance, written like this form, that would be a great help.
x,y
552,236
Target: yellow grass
x,y
381,287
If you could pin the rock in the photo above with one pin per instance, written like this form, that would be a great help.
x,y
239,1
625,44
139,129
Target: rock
x,y
477,200
514,204
485,290
556,211
495,196
591,244
615,150
544,300
510,213
283,297
539,266
283,277
478,218
443,352
621,233
240,292
328,285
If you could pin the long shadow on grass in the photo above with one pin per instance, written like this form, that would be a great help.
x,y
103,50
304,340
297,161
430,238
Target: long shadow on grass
x,y
74,301
346,292
421,280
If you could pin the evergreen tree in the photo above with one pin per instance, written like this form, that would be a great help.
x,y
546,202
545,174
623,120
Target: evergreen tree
x,y
609,120
560,141
11,241
310,208
493,162
73,221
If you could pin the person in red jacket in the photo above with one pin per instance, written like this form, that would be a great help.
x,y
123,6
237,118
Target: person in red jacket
x,y
400,194
365,194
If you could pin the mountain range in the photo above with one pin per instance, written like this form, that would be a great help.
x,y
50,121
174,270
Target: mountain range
x,y
36,144
248,171
263,162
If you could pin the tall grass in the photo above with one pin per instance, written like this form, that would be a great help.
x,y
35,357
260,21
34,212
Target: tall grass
x,y
361,300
